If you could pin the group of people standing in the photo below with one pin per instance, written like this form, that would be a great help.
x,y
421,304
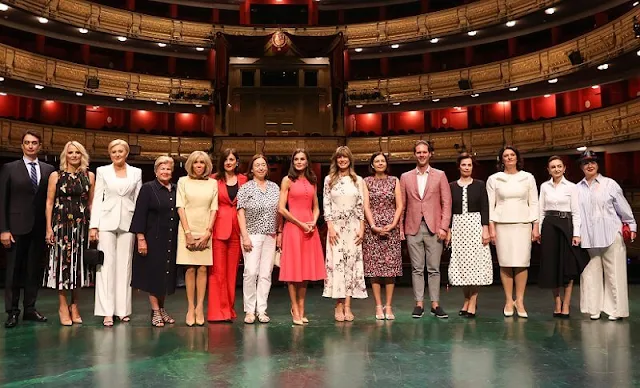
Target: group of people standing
x,y
208,221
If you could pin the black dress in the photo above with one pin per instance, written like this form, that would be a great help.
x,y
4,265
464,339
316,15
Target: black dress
x,y
156,216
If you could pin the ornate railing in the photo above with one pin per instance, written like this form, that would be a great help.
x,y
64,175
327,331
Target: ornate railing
x,y
98,17
609,41
603,126
37,69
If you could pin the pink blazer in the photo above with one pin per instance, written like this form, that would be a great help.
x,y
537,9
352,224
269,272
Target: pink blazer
x,y
434,207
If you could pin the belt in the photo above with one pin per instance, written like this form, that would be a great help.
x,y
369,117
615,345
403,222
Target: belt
x,y
553,213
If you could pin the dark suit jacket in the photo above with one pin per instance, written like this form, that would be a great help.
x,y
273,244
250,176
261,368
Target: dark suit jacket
x,y
22,209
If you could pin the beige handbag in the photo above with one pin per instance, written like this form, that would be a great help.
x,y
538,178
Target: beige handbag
x,y
276,258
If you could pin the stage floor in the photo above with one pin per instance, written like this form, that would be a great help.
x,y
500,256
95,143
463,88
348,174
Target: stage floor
x,y
490,351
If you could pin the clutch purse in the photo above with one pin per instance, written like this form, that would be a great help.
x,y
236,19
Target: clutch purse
x,y
93,256
276,258
626,233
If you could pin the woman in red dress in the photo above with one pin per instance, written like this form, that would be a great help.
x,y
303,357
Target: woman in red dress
x,y
302,259
226,240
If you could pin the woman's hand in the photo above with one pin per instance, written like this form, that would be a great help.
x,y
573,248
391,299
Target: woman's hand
x,y
279,240
535,234
307,227
360,236
203,242
93,234
191,242
486,236
246,244
49,237
447,240
333,235
575,241
142,246
633,236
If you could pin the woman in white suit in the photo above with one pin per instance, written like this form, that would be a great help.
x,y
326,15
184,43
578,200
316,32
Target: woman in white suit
x,y
116,190
513,225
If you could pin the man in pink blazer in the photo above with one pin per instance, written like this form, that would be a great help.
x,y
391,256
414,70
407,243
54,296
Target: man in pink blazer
x,y
425,222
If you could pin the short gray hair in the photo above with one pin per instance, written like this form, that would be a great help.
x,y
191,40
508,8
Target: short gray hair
x,y
163,160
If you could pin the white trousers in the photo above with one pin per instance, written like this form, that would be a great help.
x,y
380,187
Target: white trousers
x,y
258,265
603,283
113,278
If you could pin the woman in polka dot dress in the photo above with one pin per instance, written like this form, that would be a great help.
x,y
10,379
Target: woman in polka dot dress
x,y
470,264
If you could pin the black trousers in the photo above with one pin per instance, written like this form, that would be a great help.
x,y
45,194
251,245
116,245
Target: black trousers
x,y
24,270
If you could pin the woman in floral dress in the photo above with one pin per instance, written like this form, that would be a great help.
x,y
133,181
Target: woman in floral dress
x,y
343,202
381,246
69,192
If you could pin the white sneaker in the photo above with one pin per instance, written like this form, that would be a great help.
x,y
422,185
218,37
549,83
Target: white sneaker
x,y
595,317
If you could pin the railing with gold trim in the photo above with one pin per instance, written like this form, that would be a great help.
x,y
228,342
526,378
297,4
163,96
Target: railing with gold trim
x,y
26,66
609,41
603,126
98,17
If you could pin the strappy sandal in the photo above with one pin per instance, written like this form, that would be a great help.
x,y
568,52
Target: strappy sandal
x,y
348,316
107,322
389,315
156,319
125,319
379,317
339,315
166,318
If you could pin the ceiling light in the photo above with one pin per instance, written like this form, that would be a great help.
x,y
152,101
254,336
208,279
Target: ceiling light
x,y
3,94
547,95
43,20
79,94
472,33
241,58
604,66
513,89
550,11
199,48
457,108
83,30
159,102
396,103
474,95
395,46
198,105
634,4
552,80
119,99
359,106
160,44
96,107
595,86
359,49
510,23
581,148
39,87
434,40
122,38
435,100
638,53
3,7
1,79
318,58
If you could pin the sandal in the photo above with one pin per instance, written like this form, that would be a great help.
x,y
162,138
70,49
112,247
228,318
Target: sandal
x,y
339,314
389,315
348,316
75,314
263,318
125,319
107,322
156,319
380,316
166,318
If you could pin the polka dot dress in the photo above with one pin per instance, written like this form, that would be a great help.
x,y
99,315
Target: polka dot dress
x,y
470,263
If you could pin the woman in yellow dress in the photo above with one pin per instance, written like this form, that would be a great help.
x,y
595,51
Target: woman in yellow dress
x,y
197,203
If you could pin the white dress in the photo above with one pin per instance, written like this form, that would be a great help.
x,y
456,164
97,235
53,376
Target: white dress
x,y
470,263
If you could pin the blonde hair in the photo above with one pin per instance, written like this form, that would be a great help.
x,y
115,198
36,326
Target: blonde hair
x,y
163,160
195,155
84,160
334,171
118,142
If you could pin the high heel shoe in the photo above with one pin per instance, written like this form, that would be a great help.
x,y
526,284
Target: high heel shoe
x,y
379,317
348,316
65,320
521,313
388,314
297,321
338,315
190,321
508,313
199,317
75,314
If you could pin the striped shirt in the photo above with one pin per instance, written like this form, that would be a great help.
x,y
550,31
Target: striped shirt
x,y
603,210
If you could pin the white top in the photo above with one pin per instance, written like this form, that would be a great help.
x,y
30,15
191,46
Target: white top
x,y
562,198
27,164
513,198
422,180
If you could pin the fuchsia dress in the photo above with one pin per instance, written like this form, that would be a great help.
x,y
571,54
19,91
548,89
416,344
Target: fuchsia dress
x,y
302,258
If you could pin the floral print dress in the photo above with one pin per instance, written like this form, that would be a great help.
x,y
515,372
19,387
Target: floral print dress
x,y
66,269
344,206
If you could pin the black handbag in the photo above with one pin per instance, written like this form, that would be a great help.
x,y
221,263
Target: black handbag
x,y
93,256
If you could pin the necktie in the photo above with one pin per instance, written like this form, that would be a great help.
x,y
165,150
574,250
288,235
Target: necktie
x,y
34,176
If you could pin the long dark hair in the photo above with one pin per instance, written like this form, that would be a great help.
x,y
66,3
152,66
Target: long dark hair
x,y
308,172
220,173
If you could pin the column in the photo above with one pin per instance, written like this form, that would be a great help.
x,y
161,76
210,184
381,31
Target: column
x,y
426,62
245,12
384,66
173,11
601,19
131,5
86,53
171,65
424,6
556,34
468,55
215,16
347,65
513,47
128,61
341,16
382,13
211,64
313,13
40,43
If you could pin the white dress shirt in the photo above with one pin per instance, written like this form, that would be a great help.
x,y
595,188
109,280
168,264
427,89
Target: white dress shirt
x,y
561,198
422,180
28,166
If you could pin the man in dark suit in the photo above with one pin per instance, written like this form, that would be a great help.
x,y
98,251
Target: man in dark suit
x,y
23,195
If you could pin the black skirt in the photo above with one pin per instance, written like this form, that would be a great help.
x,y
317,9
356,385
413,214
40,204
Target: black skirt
x,y
560,261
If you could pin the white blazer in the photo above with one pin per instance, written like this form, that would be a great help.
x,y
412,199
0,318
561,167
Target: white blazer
x,y
112,207
513,198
